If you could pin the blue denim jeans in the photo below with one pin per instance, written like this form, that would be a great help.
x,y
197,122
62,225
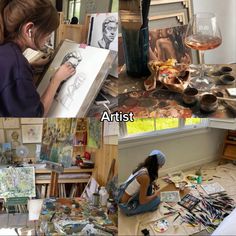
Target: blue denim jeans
x,y
133,207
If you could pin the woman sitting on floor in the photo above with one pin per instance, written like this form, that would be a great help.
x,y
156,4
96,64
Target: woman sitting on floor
x,y
135,196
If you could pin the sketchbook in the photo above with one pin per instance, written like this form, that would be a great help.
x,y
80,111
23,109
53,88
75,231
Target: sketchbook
x,y
77,93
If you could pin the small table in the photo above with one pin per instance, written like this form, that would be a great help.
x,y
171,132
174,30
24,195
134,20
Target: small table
x,y
165,103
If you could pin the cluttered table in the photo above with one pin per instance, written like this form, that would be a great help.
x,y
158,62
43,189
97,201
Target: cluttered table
x,y
74,216
163,100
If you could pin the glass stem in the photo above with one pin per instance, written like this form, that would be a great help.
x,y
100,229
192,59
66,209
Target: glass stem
x,y
202,63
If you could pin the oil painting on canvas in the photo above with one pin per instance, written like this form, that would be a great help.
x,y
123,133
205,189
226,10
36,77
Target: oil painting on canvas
x,y
57,137
71,95
17,182
169,43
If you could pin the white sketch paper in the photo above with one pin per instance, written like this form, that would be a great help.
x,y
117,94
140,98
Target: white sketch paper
x,y
170,196
103,31
88,62
90,189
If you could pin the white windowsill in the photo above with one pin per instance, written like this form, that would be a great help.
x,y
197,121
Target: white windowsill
x,y
153,137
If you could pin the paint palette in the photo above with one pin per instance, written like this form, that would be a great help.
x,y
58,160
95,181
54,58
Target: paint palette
x,y
161,225
189,202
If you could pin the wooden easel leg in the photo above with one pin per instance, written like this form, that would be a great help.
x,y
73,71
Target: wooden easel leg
x,y
54,184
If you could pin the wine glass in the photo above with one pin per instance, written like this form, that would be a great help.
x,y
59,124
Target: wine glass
x,y
203,34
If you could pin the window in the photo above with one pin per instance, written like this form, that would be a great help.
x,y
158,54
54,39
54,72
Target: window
x,y
73,8
115,6
159,125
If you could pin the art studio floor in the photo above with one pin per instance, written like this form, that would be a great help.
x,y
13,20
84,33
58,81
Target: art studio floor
x,y
226,176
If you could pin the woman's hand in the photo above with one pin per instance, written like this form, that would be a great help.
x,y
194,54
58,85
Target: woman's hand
x,y
64,72
157,193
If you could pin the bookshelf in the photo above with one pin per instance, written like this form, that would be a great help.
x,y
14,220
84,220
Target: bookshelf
x,y
70,183
229,146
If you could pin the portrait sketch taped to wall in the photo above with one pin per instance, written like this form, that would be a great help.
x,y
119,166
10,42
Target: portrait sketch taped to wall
x,y
71,94
103,31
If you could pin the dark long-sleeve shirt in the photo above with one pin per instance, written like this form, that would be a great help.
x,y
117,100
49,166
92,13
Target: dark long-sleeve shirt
x,y
18,95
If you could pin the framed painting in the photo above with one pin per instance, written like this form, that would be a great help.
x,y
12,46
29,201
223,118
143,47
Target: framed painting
x,y
32,133
75,96
169,4
175,19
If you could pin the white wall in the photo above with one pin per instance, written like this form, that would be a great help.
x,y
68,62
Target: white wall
x,y
225,13
182,151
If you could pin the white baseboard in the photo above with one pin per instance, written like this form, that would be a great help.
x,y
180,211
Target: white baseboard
x,y
187,166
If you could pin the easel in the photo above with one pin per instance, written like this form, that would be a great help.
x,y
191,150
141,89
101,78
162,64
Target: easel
x,y
56,169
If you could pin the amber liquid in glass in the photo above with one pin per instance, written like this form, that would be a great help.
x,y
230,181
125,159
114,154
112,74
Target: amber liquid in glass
x,y
202,42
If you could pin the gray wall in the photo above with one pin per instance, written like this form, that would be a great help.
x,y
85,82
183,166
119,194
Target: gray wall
x,y
225,13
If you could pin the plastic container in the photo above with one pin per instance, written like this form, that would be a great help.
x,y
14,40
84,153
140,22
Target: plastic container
x,y
103,196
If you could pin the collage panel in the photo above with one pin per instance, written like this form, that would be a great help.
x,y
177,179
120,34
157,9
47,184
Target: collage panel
x,y
177,59
58,58
58,160
58,176
177,158
177,177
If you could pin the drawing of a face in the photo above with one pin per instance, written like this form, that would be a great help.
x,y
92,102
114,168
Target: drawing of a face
x,y
73,58
110,31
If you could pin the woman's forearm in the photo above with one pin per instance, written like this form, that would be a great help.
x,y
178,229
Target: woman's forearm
x,y
48,95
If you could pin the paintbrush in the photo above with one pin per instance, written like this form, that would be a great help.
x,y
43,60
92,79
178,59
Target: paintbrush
x,y
145,11
179,215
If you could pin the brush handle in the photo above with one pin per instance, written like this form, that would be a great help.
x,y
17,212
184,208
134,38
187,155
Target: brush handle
x,y
227,99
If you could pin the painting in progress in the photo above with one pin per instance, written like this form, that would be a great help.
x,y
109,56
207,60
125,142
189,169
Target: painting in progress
x,y
169,43
57,141
71,94
17,182
103,31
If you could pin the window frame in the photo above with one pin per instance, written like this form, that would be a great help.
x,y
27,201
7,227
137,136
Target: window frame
x,y
182,128
68,8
